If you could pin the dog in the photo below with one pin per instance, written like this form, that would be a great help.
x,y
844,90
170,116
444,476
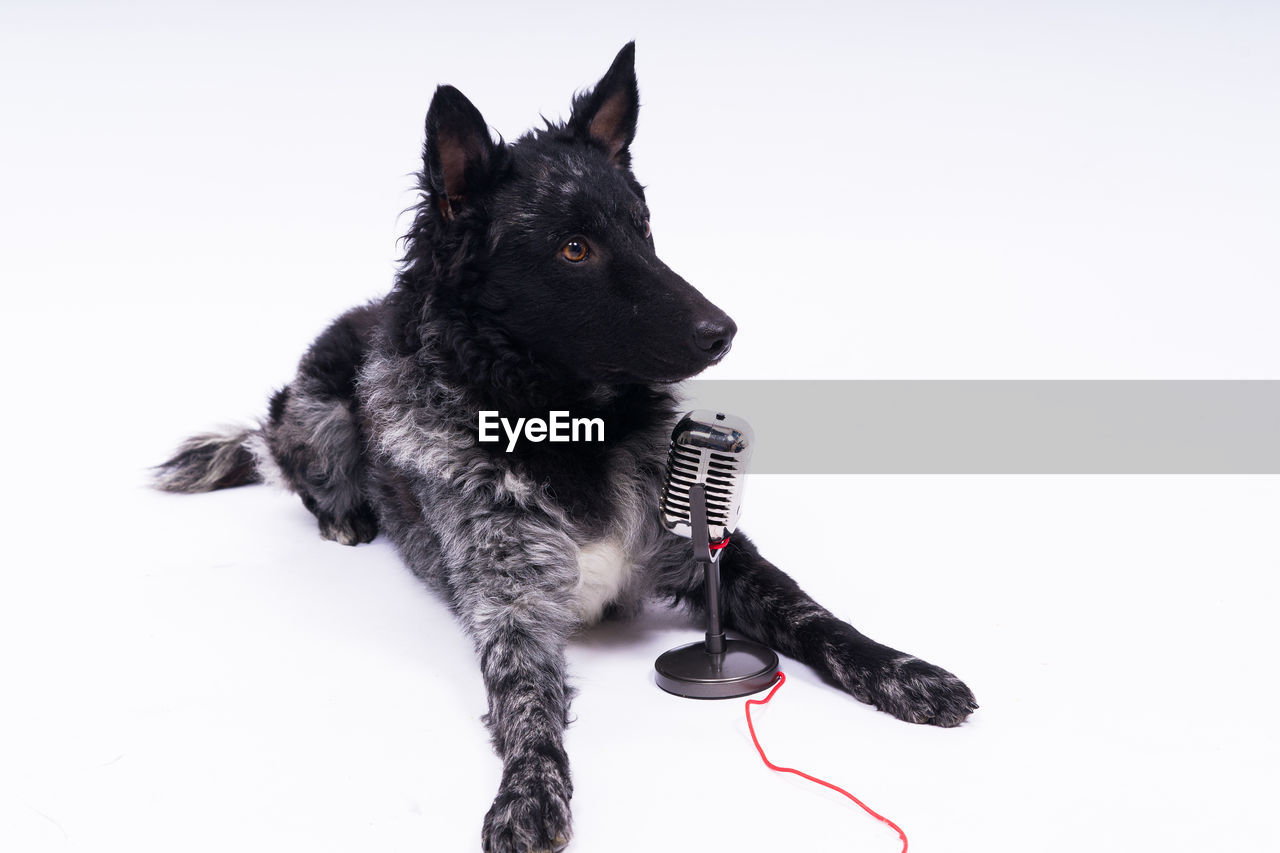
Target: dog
x,y
530,286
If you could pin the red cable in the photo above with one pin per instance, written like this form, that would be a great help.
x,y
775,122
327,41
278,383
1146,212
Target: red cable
x,y
782,680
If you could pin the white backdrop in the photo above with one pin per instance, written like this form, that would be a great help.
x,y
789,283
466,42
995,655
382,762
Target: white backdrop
x,y
906,190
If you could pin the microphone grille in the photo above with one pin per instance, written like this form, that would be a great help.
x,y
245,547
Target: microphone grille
x,y
713,449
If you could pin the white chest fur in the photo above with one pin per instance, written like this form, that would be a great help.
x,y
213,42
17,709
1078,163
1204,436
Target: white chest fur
x,y
603,569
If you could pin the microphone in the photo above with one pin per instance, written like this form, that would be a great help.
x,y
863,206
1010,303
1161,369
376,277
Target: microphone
x,y
701,501
708,449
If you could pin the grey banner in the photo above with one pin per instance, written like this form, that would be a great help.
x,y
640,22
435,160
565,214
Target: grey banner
x,y
1004,427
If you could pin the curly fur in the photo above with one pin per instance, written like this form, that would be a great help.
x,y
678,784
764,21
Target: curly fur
x,y
378,434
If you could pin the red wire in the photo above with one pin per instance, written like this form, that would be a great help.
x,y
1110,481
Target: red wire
x,y
782,680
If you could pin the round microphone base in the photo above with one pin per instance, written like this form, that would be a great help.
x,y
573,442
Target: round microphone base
x,y
744,668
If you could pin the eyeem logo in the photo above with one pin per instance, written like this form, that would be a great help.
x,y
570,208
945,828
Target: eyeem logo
x,y
558,427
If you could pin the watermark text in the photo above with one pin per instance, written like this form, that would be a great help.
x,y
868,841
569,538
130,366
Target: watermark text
x,y
559,426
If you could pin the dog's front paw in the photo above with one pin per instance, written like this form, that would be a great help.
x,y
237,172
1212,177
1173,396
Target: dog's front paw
x,y
528,819
917,691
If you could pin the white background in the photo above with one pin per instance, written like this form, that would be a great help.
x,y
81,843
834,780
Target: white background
x,y
906,190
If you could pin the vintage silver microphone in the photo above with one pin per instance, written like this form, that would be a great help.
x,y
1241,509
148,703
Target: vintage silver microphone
x,y
701,500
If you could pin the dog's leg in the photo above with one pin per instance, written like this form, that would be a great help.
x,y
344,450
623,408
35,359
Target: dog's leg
x,y
524,672
315,442
765,604
510,581
312,432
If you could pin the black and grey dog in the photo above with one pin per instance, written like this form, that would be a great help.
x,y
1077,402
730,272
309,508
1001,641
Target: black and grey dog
x,y
530,285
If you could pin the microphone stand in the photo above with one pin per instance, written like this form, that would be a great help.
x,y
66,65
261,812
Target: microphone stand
x,y
719,667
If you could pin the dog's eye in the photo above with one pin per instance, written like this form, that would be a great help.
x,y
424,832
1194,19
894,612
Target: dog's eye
x,y
647,229
574,250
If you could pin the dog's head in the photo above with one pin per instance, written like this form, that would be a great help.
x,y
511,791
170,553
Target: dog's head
x,y
560,230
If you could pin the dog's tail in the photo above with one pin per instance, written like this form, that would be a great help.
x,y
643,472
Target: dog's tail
x,y
213,460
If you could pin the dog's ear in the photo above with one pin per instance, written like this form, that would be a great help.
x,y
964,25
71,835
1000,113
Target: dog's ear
x,y
459,155
607,114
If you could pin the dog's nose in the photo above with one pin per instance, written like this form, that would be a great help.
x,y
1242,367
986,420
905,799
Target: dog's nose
x,y
714,336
